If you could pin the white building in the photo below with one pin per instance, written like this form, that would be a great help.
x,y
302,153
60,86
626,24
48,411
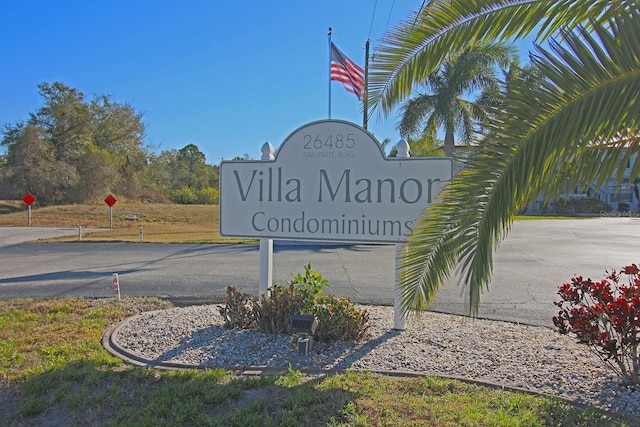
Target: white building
x,y
621,198
625,198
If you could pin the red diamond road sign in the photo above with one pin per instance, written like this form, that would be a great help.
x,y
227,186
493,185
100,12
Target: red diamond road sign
x,y
110,200
28,199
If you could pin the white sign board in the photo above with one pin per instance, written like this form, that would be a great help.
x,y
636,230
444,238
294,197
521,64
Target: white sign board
x,y
330,181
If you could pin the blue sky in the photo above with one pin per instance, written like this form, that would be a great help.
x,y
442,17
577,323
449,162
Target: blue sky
x,y
226,76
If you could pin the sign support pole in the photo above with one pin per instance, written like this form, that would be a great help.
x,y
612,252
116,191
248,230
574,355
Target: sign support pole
x,y
399,319
266,245
266,265
29,215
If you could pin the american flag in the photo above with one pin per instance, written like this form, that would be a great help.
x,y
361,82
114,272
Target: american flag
x,y
346,71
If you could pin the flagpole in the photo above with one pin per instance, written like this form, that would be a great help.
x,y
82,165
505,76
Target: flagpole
x,y
329,36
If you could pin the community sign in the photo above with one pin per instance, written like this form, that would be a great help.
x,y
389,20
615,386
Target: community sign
x,y
329,181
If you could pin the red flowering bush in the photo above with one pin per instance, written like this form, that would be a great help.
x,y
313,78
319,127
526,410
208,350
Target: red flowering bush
x,y
605,315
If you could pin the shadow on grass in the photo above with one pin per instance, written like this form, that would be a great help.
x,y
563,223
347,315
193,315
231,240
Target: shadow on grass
x,y
6,208
83,394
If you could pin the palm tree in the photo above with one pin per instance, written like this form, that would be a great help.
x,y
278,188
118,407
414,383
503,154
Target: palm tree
x,y
493,97
575,124
444,107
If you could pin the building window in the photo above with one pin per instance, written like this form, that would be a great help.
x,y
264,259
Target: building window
x,y
620,194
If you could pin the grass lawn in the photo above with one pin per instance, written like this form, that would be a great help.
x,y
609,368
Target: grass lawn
x,y
161,223
54,371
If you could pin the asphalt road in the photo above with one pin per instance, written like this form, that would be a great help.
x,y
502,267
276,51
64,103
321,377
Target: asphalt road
x,y
534,259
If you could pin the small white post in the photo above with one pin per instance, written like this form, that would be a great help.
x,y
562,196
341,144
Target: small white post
x,y
80,233
116,285
29,215
399,320
141,234
266,245
110,217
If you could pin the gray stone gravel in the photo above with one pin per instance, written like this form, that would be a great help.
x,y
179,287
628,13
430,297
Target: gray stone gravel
x,y
511,355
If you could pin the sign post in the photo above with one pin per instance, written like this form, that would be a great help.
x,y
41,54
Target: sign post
x,y
266,245
110,201
28,199
329,181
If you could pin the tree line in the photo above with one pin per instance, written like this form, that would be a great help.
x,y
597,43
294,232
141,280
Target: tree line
x,y
75,150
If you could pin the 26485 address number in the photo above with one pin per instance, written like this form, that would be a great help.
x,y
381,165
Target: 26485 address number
x,y
337,141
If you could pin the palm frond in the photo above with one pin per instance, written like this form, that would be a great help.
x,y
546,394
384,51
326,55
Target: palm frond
x,y
446,27
547,136
412,115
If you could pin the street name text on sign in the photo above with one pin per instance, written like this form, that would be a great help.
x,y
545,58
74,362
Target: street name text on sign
x,y
330,181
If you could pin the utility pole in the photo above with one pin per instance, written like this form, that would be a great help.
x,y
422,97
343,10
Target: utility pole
x,y
365,99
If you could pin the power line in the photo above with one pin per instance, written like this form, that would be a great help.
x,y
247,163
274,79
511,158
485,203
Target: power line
x,y
389,17
419,11
372,16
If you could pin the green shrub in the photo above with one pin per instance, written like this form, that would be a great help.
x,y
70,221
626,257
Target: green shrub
x,y
208,196
581,205
302,296
338,318
237,311
184,196
276,307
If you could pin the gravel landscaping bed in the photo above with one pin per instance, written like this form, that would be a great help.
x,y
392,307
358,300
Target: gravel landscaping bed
x,y
507,354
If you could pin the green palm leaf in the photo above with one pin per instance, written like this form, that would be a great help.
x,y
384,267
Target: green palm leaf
x,y
574,125
444,28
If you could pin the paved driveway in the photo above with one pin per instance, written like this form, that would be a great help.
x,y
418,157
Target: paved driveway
x,y
14,235
531,262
